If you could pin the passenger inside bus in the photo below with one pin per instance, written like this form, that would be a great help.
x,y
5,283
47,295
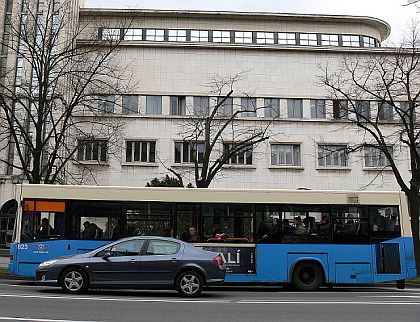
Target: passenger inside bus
x,y
193,234
350,227
299,227
324,226
44,229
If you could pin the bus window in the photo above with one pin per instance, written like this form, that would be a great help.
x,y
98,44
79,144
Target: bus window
x,y
42,225
231,223
384,223
150,219
268,224
350,225
187,216
306,224
94,220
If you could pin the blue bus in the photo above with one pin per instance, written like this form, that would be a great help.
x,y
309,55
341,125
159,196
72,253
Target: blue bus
x,y
307,238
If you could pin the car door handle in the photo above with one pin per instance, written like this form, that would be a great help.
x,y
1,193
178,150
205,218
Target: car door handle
x,y
174,260
133,261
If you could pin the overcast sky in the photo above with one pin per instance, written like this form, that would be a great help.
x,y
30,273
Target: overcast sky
x,y
389,10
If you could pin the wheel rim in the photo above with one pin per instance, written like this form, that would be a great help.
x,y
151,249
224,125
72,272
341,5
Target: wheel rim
x,y
307,275
190,284
73,281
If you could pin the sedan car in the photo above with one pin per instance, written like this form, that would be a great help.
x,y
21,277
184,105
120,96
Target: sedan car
x,y
136,262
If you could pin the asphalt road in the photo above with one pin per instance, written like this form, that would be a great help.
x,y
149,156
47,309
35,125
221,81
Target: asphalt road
x,y
23,301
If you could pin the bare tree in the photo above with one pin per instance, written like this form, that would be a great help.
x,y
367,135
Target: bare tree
x,y
214,137
389,80
58,95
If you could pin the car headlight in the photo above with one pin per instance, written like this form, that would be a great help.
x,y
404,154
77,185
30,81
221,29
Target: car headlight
x,y
47,263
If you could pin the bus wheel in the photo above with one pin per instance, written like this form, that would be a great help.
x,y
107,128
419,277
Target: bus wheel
x,y
307,276
74,281
189,284
401,284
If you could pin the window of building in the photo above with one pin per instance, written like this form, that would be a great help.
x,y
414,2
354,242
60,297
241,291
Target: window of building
x,y
92,150
106,104
332,156
308,39
177,35
221,36
133,34
272,107
248,107
178,105
294,108
155,34
368,41
375,157
351,41
329,40
265,38
362,110
200,35
226,109
285,154
201,105
318,109
154,105
243,156
188,152
286,38
385,112
111,34
243,37
404,111
340,109
140,151
130,104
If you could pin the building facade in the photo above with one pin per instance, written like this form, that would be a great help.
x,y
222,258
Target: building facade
x,y
174,57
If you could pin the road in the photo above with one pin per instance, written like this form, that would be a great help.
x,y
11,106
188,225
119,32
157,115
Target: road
x,y
24,301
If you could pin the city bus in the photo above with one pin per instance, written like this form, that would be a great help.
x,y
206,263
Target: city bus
x,y
307,238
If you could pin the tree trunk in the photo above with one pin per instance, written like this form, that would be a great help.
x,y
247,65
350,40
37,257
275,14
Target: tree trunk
x,y
414,209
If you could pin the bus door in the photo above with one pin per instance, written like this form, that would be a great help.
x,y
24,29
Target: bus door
x,y
42,228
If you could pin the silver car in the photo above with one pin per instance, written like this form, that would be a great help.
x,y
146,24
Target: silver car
x,y
136,262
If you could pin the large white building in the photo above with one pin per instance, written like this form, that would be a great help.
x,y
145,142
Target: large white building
x,y
173,56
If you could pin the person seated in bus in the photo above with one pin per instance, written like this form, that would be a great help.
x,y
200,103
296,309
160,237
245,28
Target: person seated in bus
x,y
185,236
287,227
44,229
193,234
91,231
262,231
324,226
217,233
350,226
299,227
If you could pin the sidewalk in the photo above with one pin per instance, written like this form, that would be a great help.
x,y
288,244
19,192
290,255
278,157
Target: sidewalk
x,y
4,258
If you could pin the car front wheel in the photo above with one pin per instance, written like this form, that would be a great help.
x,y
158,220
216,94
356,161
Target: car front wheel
x,y
74,281
189,284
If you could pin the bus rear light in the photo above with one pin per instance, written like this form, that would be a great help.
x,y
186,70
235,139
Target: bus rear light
x,y
11,258
218,260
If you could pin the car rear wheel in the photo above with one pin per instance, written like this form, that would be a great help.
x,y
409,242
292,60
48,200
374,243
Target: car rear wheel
x,y
74,281
189,284
307,276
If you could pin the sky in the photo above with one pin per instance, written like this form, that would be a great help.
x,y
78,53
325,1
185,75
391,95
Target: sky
x,y
391,11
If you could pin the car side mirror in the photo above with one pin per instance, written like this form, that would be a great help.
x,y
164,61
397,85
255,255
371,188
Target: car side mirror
x,y
106,256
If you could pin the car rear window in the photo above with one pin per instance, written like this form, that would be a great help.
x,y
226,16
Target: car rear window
x,y
162,247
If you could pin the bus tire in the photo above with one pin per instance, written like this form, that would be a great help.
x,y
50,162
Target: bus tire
x,y
189,284
74,281
307,276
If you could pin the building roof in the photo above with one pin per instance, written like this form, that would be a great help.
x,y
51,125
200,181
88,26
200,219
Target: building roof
x,y
383,27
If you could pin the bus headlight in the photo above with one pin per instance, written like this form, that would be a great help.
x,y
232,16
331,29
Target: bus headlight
x,y
47,263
